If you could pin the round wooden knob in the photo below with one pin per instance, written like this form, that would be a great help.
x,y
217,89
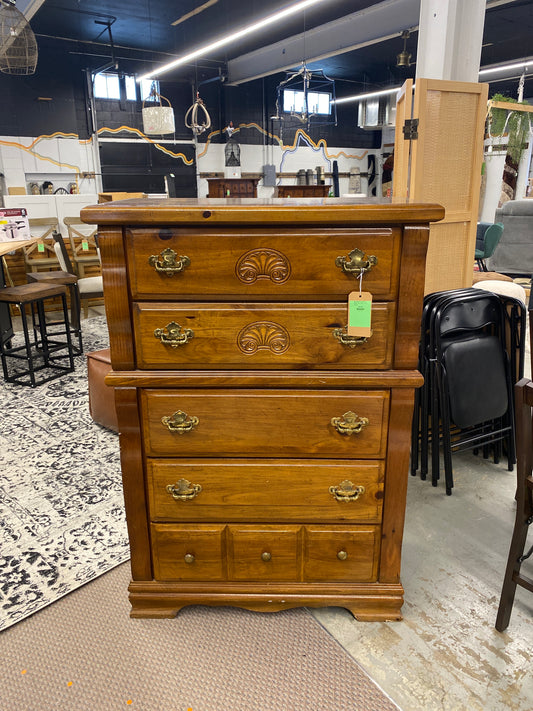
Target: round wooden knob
x,y
266,556
189,558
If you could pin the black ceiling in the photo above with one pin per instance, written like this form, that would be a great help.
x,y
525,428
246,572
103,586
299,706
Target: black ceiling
x,y
144,37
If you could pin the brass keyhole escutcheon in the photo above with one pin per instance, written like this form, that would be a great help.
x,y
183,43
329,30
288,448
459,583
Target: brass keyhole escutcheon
x,y
189,558
266,556
173,335
168,262
356,263
349,423
180,422
342,555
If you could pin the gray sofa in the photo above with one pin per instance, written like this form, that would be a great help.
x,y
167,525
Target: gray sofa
x,y
514,253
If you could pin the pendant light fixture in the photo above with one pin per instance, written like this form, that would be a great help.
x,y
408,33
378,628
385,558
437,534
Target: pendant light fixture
x,y
157,119
18,46
404,58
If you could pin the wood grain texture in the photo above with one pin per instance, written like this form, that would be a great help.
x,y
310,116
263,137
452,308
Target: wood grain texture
x,y
410,297
265,490
131,459
397,467
256,263
331,211
256,423
372,602
116,300
239,506
273,336
319,380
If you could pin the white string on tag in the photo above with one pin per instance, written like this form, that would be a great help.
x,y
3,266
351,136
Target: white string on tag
x,y
361,280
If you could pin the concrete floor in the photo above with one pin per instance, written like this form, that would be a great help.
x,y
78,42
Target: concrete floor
x,y
446,655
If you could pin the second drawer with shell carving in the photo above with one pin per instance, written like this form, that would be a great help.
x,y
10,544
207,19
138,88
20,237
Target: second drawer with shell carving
x,y
234,335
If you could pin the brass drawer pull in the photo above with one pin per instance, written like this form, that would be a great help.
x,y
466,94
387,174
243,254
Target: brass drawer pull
x,y
179,423
346,491
168,262
355,263
183,490
341,334
174,335
189,558
342,555
266,556
349,423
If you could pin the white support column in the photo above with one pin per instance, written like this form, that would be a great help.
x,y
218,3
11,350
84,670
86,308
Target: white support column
x,y
450,36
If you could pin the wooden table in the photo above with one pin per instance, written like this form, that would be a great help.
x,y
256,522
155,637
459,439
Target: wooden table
x,y
6,328
7,247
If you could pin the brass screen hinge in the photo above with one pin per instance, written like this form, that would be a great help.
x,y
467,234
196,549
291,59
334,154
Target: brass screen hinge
x,y
410,129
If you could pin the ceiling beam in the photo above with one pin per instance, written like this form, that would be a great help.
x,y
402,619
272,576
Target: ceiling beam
x,y
374,24
29,7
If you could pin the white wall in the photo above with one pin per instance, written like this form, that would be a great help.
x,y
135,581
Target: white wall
x,y
60,159
287,159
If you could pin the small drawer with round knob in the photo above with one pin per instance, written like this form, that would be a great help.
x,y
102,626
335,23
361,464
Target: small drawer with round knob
x,y
188,553
338,553
264,552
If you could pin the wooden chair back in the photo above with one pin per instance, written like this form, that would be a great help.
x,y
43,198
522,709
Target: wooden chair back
x,y
41,254
83,245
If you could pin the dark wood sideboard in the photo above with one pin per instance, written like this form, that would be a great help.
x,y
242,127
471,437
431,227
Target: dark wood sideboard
x,y
297,191
264,451
232,187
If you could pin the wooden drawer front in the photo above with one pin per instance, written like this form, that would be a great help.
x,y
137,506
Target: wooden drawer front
x,y
267,336
336,553
261,490
183,553
263,552
264,423
252,263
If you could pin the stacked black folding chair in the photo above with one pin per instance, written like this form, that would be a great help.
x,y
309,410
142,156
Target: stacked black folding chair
x,y
471,354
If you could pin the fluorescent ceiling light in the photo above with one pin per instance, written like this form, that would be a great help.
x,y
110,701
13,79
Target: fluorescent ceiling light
x,y
206,49
506,67
370,95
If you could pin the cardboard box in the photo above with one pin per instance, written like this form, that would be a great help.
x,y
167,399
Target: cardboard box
x,y
14,225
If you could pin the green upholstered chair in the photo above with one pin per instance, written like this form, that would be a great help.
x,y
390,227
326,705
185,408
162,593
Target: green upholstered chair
x,y
487,237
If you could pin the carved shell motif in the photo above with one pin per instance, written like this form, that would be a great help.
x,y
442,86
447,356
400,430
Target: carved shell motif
x,y
263,335
263,264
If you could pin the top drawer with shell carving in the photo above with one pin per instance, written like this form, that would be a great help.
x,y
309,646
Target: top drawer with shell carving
x,y
252,264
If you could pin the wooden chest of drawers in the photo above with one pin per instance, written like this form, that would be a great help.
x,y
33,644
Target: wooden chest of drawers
x,y
232,187
264,450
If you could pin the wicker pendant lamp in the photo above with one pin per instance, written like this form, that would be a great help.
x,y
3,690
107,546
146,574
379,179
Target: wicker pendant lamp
x,y
18,46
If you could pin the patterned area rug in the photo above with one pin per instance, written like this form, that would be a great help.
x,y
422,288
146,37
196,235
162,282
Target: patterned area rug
x,y
62,519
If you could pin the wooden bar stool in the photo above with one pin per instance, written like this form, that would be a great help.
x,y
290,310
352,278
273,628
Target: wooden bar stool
x,y
41,350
